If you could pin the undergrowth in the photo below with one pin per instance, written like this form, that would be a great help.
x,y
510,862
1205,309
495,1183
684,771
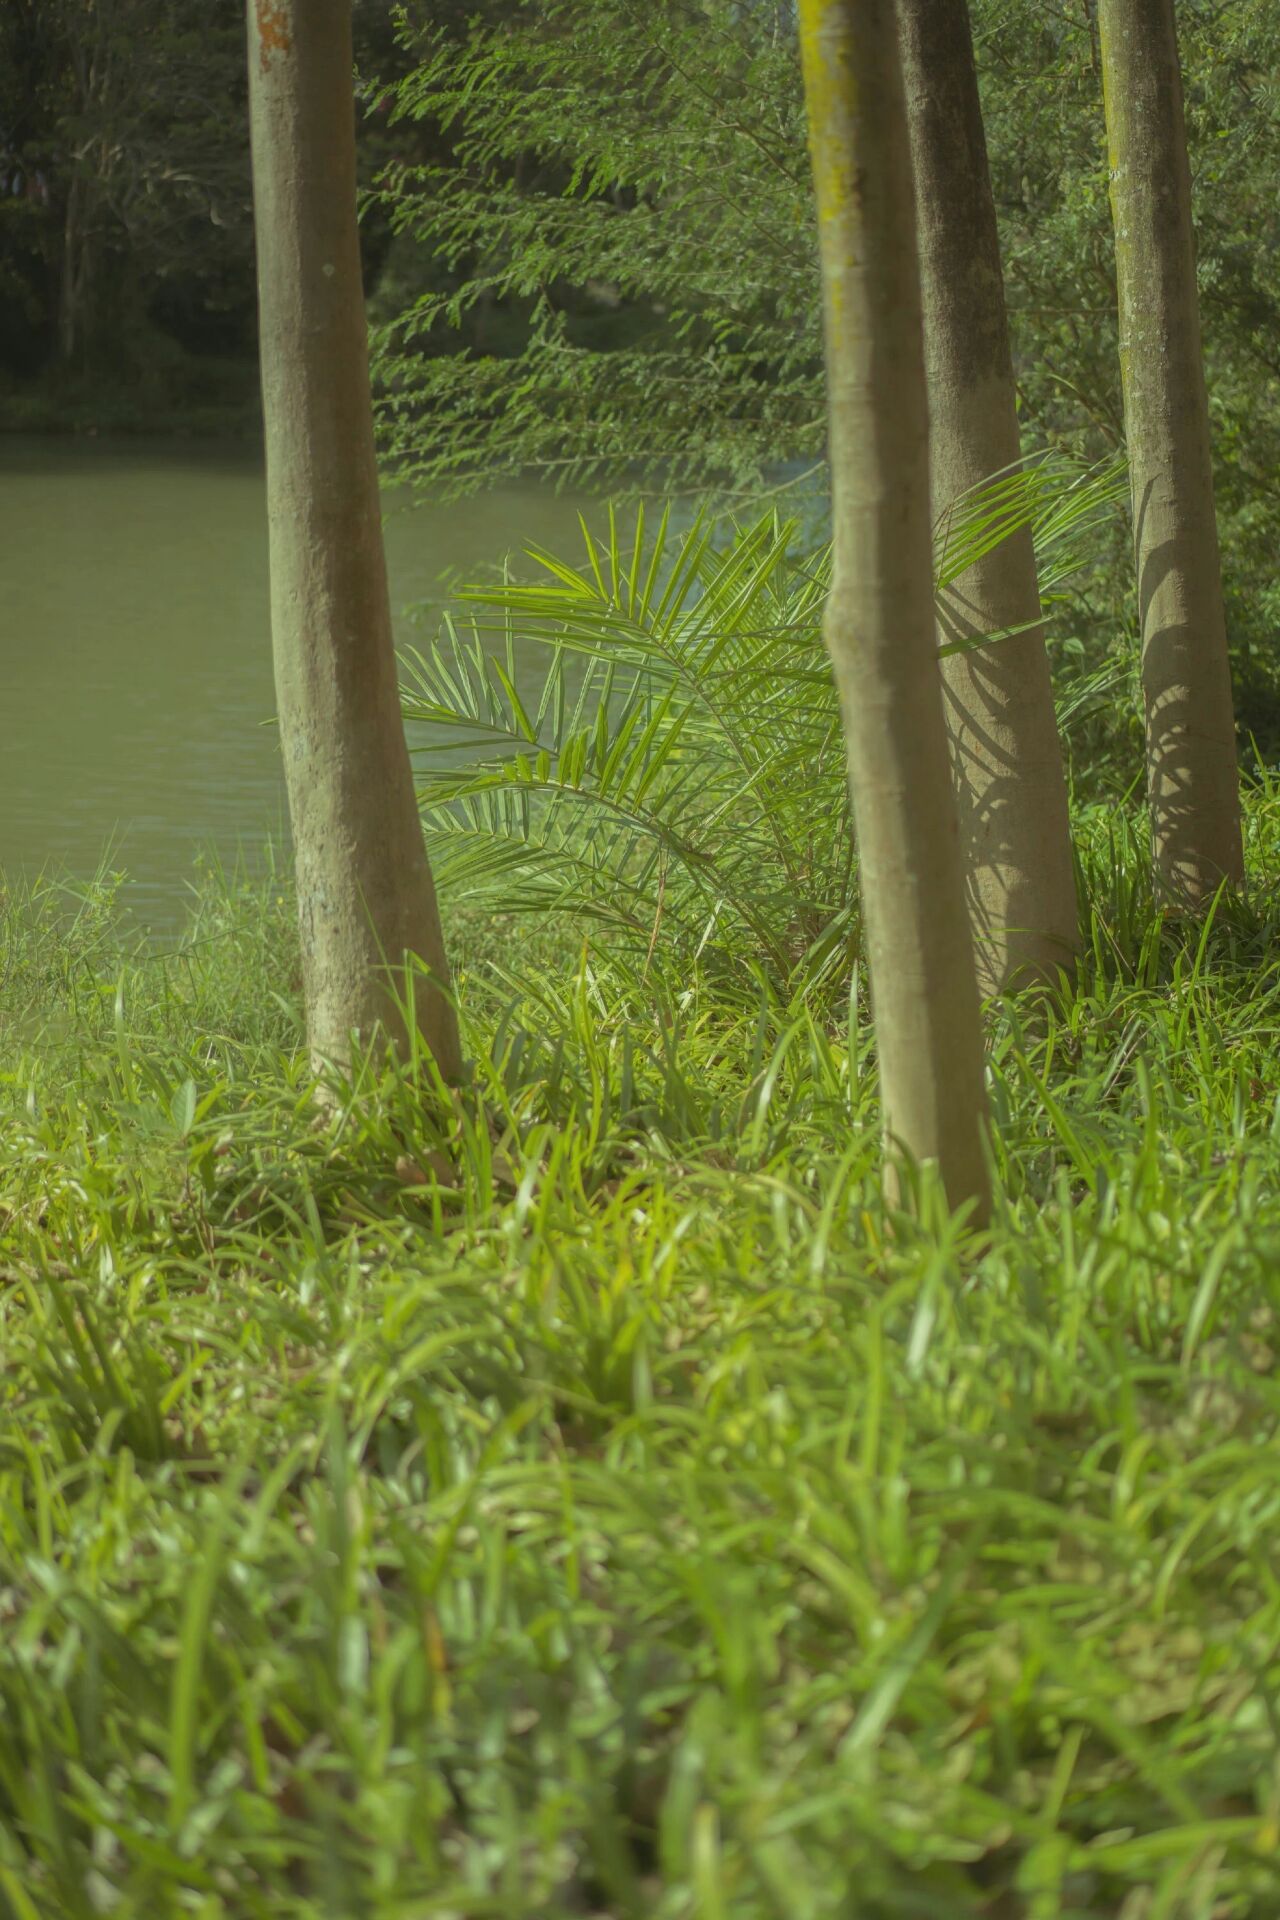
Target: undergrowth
x,y
579,1496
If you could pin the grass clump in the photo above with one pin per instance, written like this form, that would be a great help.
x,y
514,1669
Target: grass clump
x,y
579,1496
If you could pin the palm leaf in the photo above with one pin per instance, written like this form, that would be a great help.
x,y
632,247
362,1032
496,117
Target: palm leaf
x,y
680,757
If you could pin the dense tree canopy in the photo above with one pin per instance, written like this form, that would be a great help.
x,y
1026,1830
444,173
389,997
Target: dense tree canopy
x,y
126,245
125,177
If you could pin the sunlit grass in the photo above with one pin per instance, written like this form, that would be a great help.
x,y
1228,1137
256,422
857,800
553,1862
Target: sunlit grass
x,y
578,1497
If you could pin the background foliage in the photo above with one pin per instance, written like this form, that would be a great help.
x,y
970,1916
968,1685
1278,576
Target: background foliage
x,y
629,230
589,249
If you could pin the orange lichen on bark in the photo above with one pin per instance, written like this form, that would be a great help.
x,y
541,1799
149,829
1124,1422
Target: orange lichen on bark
x,y
273,31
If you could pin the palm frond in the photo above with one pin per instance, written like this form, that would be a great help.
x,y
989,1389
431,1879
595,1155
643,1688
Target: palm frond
x,y
677,758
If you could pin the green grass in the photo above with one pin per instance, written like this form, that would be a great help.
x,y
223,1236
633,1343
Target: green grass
x,y
580,1498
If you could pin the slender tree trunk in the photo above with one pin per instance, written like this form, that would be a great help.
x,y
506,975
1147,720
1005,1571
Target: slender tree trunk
x,y
1006,756
365,894
69,282
1192,777
880,618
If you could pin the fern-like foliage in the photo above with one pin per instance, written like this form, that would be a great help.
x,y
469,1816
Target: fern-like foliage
x,y
679,773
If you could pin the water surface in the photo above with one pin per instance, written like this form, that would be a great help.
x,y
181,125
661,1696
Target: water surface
x,y
135,653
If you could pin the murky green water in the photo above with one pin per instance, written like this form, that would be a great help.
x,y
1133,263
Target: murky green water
x,y
135,659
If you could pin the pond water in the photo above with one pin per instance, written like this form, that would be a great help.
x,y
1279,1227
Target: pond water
x,y
135,654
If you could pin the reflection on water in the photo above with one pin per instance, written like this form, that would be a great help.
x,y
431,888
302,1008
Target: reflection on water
x,y
135,666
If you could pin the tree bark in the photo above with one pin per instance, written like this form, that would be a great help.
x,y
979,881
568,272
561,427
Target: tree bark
x,y
879,624
1011,793
1192,777
70,279
365,895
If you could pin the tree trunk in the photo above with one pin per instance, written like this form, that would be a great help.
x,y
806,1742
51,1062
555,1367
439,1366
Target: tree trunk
x,y
1192,778
69,282
1006,756
365,893
879,624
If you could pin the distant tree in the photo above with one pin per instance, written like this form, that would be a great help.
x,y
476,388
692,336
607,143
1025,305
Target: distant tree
x,y
365,894
121,123
880,617
1007,760
1192,776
